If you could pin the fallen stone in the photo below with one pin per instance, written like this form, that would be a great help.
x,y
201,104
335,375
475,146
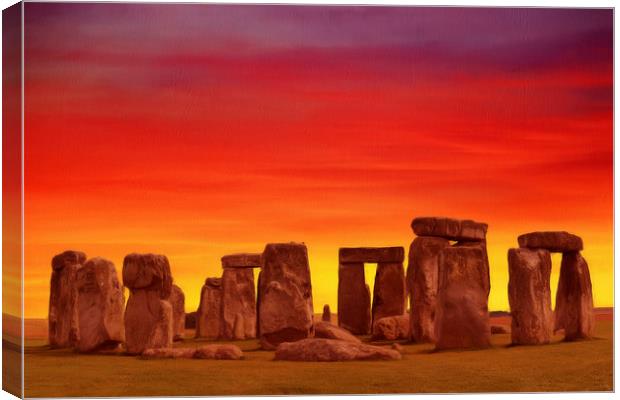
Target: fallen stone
x,y
238,298
179,352
63,325
529,294
353,299
423,280
219,352
328,330
574,307
371,255
392,328
208,314
212,351
242,260
450,228
148,314
499,330
100,306
177,300
389,291
333,350
558,242
286,312
462,317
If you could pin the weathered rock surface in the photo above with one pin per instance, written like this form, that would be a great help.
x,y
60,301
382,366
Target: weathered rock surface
x,y
333,350
209,311
242,260
328,330
169,352
423,280
529,294
371,255
392,328
100,306
212,351
327,314
558,242
63,326
238,298
239,329
462,318
574,307
148,314
483,246
353,299
177,300
389,291
286,312
449,228
219,352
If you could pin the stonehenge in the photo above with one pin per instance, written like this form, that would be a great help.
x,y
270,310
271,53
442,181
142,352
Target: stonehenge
x,y
63,330
286,312
447,280
148,314
434,263
530,266
389,294
100,306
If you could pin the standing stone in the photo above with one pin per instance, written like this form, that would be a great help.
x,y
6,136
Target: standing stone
x,y
423,280
574,307
353,299
327,314
177,300
208,314
260,288
462,317
389,292
148,315
100,306
529,295
286,312
482,244
238,297
63,327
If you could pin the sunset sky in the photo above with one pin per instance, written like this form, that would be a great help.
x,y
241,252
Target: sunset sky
x,y
197,131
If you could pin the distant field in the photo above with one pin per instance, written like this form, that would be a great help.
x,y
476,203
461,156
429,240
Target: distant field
x,y
578,366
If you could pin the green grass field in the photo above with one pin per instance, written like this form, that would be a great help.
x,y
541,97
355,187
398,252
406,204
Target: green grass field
x,y
578,366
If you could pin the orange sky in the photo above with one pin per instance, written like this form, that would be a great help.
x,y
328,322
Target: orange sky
x,y
198,130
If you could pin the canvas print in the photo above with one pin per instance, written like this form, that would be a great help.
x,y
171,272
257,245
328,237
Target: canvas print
x,y
234,199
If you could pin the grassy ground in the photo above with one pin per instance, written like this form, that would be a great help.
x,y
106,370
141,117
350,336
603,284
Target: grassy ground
x,y
577,366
